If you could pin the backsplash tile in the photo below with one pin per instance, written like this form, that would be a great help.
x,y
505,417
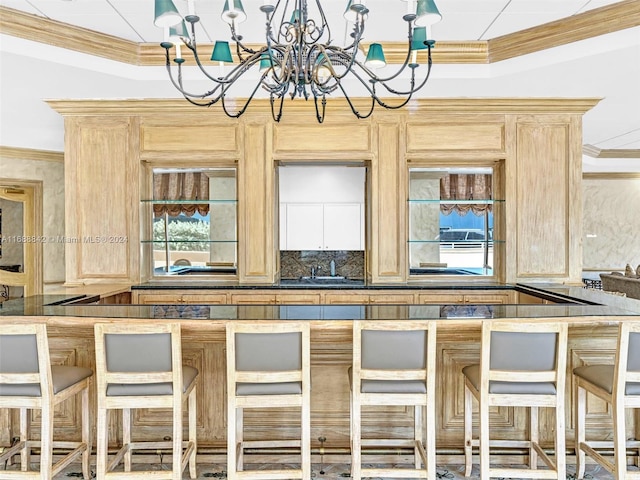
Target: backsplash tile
x,y
296,263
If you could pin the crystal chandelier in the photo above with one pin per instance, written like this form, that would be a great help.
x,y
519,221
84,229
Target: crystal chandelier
x,y
298,58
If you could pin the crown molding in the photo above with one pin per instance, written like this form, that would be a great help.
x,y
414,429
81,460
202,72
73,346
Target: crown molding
x,y
596,152
599,21
610,175
336,106
31,154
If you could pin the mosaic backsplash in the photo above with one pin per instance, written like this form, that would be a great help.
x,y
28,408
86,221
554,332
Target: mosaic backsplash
x,y
296,263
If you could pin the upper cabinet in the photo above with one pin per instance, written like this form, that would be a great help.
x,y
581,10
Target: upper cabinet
x,y
317,226
321,208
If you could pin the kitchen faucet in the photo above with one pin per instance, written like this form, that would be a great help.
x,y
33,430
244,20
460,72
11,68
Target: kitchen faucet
x,y
314,271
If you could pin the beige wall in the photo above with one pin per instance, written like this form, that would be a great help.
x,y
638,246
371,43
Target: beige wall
x,y
611,222
51,174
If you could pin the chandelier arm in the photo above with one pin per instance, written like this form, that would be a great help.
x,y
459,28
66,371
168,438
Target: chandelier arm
x,y
320,116
277,117
413,87
353,108
179,84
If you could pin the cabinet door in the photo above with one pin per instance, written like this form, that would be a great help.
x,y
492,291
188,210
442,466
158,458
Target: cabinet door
x,y
304,226
392,298
158,299
487,298
253,298
440,298
342,226
298,298
208,298
346,298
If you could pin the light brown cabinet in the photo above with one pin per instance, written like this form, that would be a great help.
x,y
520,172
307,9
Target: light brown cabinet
x,y
486,297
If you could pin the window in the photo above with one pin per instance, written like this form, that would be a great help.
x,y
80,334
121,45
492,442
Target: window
x,y
452,212
193,216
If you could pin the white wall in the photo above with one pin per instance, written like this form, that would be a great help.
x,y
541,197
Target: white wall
x,y
51,174
315,184
611,216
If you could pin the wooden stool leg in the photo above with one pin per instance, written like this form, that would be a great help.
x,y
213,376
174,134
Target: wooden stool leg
x,y
468,431
484,441
126,437
356,433
305,439
580,408
239,439
417,434
561,459
619,439
534,435
86,434
25,433
431,437
176,462
192,433
46,442
232,442
102,420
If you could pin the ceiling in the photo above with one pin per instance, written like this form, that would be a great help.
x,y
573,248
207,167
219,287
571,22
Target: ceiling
x,y
606,66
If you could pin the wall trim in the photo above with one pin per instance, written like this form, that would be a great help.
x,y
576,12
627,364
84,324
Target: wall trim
x,y
596,152
610,175
31,154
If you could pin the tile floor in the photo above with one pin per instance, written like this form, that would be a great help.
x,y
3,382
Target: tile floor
x,y
335,472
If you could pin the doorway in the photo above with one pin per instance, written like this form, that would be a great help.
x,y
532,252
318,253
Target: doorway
x,y
21,238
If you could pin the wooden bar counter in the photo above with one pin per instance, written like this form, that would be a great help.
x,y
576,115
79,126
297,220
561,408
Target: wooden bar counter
x,y
592,316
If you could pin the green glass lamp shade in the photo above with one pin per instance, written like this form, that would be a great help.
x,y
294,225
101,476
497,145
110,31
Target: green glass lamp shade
x,y
221,52
178,32
295,16
265,62
233,12
427,13
375,56
419,37
167,14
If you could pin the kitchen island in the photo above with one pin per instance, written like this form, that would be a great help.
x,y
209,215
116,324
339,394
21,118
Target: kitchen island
x,y
592,315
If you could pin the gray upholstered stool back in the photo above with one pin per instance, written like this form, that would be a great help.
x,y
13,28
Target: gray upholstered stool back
x,y
394,350
522,351
268,351
18,354
633,360
145,352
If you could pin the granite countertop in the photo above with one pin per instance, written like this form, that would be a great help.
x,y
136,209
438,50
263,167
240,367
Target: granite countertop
x,y
597,304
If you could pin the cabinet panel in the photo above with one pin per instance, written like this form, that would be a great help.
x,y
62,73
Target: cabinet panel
x,y
157,298
253,298
392,298
298,298
211,298
342,227
304,226
487,298
426,298
346,298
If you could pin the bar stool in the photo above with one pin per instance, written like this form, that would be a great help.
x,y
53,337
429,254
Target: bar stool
x,y
394,363
268,366
521,365
619,386
29,382
140,366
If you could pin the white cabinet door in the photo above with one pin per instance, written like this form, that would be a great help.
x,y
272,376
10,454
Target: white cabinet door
x,y
342,226
304,226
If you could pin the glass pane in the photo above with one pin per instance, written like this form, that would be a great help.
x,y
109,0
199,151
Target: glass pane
x,y
194,216
451,219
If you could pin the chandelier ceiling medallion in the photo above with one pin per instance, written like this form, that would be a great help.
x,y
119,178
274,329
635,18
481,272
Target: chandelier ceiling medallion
x,y
298,58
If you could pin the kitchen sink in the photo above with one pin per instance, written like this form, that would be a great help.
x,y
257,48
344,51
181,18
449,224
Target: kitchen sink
x,y
337,280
